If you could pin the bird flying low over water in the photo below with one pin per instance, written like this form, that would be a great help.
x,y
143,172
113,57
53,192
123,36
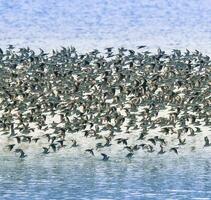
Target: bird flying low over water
x,y
117,100
129,155
105,157
207,142
22,154
45,150
10,146
174,149
90,151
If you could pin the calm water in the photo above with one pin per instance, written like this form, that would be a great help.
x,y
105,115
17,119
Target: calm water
x,y
97,24
70,178
89,24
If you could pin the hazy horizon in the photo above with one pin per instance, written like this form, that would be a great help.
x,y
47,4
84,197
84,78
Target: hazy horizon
x,y
97,24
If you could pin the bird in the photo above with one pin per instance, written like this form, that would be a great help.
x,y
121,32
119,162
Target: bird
x,y
121,140
45,150
129,155
161,150
35,139
174,149
99,145
53,146
105,157
141,136
150,148
22,154
207,142
74,143
90,151
61,142
152,140
182,142
141,47
18,138
109,49
10,146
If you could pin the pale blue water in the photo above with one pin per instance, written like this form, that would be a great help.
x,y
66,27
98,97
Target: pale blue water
x,y
68,178
89,24
96,24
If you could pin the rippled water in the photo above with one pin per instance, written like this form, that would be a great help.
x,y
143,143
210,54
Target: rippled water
x,y
100,23
57,177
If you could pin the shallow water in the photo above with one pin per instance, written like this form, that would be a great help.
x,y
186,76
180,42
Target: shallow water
x,y
57,177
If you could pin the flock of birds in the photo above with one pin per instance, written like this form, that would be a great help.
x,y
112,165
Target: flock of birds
x,y
134,101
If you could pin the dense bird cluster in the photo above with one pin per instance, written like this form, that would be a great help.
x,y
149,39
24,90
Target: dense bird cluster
x,y
136,101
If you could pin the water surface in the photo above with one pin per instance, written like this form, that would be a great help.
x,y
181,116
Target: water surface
x,y
100,23
57,177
